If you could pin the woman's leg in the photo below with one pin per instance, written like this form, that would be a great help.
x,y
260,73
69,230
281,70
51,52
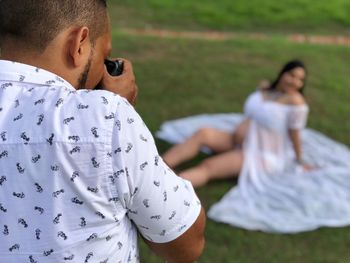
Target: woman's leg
x,y
221,166
217,141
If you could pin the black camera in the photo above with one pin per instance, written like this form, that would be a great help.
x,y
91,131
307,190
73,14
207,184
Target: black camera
x,y
114,67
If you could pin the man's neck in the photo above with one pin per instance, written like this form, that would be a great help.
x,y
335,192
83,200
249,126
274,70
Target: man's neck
x,y
40,60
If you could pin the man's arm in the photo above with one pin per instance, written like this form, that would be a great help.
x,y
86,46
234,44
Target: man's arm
x,y
163,207
186,248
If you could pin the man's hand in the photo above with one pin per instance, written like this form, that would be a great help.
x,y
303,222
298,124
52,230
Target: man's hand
x,y
124,84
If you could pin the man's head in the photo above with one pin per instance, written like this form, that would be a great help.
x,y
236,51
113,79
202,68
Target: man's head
x,y
75,34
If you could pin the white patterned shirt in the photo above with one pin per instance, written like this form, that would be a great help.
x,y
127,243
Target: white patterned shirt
x,y
80,174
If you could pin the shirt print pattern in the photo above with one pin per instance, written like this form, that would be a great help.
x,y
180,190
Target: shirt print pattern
x,y
80,174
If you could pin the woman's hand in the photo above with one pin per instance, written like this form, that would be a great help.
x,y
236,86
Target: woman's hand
x,y
124,84
306,166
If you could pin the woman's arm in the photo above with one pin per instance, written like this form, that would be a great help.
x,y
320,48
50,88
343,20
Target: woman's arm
x,y
295,137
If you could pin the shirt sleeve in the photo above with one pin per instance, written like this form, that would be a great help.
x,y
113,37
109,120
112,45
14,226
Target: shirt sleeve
x,y
297,117
161,204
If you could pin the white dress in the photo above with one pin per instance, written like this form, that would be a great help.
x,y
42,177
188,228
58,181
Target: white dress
x,y
273,193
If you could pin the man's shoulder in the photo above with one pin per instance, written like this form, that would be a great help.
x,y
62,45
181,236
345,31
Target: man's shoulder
x,y
90,114
92,107
98,98
94,101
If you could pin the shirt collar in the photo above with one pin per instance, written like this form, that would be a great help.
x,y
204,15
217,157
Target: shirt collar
x,y
18,72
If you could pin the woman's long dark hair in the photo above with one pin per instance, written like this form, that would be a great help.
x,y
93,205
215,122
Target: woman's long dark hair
x,y
290,65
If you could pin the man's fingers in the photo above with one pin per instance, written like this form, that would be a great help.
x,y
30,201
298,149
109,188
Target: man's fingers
x,y
127,66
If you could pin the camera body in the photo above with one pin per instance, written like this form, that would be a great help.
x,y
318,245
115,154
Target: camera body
x,y
114,67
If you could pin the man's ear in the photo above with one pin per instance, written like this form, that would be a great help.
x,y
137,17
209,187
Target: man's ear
x,y
80,46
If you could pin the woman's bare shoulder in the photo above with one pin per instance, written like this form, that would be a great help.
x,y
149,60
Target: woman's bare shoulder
x,y
296,98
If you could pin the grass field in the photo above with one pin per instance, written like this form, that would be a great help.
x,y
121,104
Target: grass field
x,y
181,77
322,16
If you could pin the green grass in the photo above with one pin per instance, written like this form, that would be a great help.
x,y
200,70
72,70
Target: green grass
x,y
322,16
179,77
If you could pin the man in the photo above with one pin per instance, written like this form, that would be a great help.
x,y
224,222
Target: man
x,y
80,175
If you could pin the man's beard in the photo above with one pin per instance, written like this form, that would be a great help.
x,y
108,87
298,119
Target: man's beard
x,y
84,75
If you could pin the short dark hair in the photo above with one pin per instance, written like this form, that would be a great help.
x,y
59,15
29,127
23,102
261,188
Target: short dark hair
x,y
290,65
37,22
